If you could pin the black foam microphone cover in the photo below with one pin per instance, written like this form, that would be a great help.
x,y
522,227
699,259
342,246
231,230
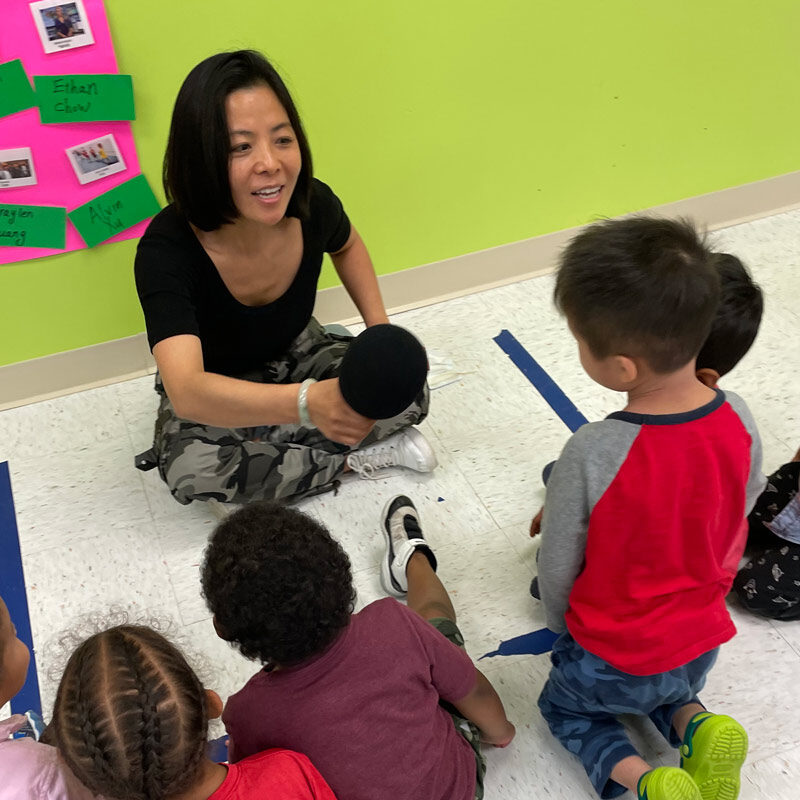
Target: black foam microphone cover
x,y
383,371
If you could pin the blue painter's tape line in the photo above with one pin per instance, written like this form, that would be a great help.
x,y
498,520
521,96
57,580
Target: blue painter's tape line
x,y
534,643
12,588
541,641
545,385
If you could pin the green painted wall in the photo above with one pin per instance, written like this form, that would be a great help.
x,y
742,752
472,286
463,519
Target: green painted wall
x,y
449,126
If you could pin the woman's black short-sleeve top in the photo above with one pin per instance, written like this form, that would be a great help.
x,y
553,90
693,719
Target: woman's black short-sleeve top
x,y
181,291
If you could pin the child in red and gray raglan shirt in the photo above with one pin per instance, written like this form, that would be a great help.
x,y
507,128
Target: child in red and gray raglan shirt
x,y
644,518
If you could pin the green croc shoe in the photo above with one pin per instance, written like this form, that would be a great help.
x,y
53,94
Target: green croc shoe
x,y
713,751
667,783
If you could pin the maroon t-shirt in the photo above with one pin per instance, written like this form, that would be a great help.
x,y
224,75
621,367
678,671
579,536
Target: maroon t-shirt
x,y
366,712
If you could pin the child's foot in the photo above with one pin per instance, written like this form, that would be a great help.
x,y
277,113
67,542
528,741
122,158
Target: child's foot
x,y
667,783
400,526
713,751
409,448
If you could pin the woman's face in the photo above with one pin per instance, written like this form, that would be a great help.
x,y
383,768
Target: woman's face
x,y
264,160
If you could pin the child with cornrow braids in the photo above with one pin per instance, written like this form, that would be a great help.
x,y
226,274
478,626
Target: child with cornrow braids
x,y
131,719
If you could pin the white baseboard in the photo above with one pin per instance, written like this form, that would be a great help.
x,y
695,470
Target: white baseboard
x,y
121,359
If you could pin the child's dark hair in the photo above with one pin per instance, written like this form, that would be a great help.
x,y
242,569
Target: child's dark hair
x,y
738,317
195,171
278,584
642,287
130,717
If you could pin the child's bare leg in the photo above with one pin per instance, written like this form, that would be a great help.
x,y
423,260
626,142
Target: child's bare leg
x,y
629,772
426,593
683,716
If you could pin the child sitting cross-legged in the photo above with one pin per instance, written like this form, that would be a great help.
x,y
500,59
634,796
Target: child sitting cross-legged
x,y
385,702
131,720
644,520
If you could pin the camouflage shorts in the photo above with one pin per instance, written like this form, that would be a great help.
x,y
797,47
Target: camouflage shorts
x,y
274,462
584,695
467,729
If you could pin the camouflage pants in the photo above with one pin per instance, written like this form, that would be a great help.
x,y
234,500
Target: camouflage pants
x,y
273,462
584,695
467,729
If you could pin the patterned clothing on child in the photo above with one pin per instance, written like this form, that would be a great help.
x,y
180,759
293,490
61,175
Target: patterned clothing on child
x,y
584,694
769,584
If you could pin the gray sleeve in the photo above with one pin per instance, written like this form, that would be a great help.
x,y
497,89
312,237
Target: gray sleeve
x,y
585,469
756,481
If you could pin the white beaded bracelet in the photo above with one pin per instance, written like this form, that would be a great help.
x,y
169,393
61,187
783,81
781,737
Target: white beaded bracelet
x,y
302,404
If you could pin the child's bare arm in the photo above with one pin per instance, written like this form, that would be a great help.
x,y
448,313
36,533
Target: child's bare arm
x,y
484,707
536,523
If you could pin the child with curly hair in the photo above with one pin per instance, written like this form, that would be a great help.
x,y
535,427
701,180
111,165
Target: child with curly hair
x,y
28,768
381,701
131,720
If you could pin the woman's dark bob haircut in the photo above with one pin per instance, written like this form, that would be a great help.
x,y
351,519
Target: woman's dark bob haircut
x,y
196,162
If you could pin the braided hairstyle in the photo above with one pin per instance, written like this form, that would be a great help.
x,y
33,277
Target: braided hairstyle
x,y
130,716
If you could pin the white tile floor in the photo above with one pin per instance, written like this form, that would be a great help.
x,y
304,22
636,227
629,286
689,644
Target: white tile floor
x,y
97,534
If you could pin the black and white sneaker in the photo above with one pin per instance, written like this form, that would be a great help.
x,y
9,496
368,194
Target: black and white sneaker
x,y
403,535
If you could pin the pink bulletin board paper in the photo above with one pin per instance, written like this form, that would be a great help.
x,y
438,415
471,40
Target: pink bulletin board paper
x,y
58,185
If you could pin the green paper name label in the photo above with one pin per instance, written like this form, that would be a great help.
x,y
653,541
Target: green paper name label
x,y
116,210
32,226
15,89
84,98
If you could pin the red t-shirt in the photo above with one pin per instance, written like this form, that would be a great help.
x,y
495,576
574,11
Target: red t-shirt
x,y
366,711
274,775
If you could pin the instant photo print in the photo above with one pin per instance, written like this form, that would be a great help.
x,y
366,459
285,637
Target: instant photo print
x,y
16,168
95,159
61,26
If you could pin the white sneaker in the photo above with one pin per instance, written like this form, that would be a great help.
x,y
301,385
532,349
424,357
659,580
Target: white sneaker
x,y
409,448
403,537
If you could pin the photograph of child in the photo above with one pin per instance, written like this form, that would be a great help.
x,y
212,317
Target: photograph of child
x,y
62,26
16,168
95,159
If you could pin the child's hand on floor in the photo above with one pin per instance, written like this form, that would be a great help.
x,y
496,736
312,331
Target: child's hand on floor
x,y
502,740
536,523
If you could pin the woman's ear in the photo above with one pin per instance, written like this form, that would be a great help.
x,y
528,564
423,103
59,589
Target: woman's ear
x,y
708,376
213,704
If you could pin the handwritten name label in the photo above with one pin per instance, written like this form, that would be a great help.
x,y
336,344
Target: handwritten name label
x,y
32,226
115,211
84,98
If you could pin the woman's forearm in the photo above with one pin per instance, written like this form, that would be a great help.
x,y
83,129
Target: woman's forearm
x,y
212,399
